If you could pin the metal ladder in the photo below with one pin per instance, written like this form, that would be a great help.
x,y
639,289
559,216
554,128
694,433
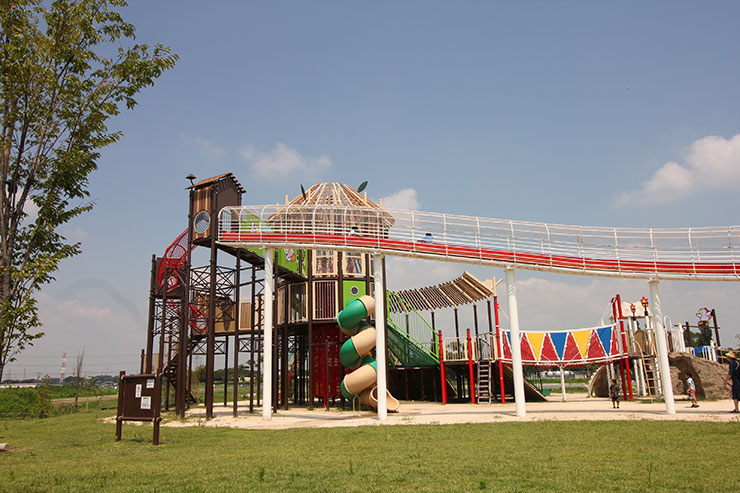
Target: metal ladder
x,y
485,392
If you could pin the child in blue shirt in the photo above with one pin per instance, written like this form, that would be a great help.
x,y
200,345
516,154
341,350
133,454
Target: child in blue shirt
x,y
692,389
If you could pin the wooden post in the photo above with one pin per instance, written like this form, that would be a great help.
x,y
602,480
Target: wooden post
x,y
237,318
119,423
716,328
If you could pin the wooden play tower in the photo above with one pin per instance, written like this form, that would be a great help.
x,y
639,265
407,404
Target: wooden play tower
x,y
311,287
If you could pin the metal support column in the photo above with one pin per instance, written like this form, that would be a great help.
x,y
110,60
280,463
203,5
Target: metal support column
x,y
267,335
562,383
665,371
516,351
380,336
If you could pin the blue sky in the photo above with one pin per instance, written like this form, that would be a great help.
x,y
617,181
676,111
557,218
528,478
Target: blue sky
x,y
621,114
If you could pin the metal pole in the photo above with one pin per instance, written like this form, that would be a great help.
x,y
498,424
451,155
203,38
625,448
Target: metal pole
x,y
237,321
470,369
516,352
226,368
615,315
380,336
624,343
475,319
500,349
252,341
562,383
457,341
211,340
443,376
150,323
309,310
716,328
665,371
267,335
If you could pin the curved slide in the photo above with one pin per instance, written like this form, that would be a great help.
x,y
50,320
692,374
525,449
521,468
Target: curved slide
x,y
356,354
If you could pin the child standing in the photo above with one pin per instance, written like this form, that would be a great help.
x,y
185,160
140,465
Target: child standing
x,y
614,394
692,389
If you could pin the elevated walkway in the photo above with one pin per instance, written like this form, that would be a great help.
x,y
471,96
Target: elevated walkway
x,y
710,253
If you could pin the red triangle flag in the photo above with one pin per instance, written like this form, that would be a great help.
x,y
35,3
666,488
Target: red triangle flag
x,y
571,353
595,349
526,348
548,350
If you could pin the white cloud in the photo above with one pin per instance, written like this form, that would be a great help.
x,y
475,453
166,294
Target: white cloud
x,y
212,151
30,208
75,308
408,273
404,199
712,163
282,161
77,234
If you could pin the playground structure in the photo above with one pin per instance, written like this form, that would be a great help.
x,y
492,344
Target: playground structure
x,y
298,263
225,307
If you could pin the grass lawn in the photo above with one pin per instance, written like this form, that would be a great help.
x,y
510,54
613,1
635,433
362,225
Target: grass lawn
x,y
78,453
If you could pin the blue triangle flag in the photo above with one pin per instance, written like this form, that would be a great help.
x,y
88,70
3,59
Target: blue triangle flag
x,y
558,340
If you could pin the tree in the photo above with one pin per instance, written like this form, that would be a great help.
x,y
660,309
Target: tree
x,y
65,69
78,375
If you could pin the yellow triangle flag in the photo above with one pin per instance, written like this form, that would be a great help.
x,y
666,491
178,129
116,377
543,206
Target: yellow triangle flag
x,y
582,337
535,340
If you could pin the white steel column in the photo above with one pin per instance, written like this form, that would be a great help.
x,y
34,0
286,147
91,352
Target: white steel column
x,y
380,355
562,383
660,342
516,350
267,335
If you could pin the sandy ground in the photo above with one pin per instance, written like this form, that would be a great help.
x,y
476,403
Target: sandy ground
x,y
576,408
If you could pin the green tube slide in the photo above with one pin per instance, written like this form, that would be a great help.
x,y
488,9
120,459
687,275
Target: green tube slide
x,y
356,311
355,353
353,349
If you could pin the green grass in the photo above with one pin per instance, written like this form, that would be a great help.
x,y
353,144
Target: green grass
x,y
78,453
23,402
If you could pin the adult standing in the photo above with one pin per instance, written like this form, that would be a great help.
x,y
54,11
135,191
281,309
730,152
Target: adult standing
x,y
734,376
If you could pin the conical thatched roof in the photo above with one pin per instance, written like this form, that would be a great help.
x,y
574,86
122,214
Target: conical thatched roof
x,y
333,194
333,208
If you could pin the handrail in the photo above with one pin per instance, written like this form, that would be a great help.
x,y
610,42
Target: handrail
x,y
704,253
418,329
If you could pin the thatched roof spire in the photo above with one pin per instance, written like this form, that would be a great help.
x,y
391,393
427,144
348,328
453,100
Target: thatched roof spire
x,y
354,211
333,194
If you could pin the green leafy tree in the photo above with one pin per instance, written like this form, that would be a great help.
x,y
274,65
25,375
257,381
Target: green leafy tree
x,y
42,407
66,67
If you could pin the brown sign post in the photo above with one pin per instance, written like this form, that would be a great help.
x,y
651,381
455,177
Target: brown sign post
x,y
139,399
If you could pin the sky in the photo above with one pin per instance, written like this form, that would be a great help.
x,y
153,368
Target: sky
x,y
583,113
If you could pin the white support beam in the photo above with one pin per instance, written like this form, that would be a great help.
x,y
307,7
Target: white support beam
x,y
267,335
660,342
516,350
380,355
562,382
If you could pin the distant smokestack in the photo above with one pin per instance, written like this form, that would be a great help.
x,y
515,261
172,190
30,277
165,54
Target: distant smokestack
x,y
64,367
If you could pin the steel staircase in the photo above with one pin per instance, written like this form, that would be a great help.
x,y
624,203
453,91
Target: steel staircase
x,y
170,373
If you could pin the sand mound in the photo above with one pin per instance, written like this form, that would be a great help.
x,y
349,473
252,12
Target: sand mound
x,y
709,377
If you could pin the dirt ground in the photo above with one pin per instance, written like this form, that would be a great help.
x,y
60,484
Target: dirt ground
x,y
576,408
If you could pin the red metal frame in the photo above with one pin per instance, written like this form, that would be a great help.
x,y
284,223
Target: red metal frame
x,y
624,344
442,368
499,350
470,368
624,348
